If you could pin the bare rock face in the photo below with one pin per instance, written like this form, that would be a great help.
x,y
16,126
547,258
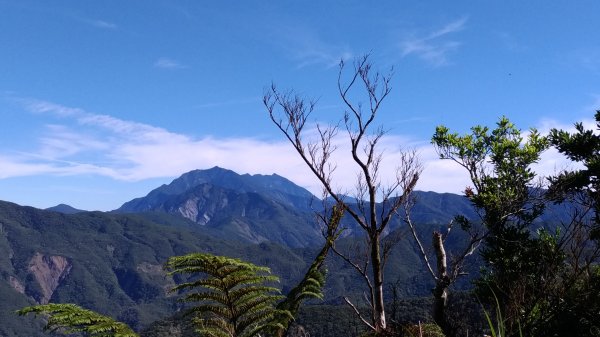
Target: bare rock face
x,y
190,209
152,269
202,204
18,286
298,331
48,272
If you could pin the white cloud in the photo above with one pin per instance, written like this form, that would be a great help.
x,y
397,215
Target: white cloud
x,y
319,55
433,47
13,166
130,151
97,23
545,125
444,176
37,106
63,142
167,63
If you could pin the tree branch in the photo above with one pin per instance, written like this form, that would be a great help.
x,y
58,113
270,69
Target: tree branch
x,y
358,313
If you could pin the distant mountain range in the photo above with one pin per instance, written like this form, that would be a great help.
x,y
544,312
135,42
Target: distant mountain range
x,y
249,207
112,261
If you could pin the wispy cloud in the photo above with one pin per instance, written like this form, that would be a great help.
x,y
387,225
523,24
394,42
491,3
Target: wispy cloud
x,y
434,47
328,57
87,143
103,24
90,143
167,63
583,115
308,48
96,23
37,106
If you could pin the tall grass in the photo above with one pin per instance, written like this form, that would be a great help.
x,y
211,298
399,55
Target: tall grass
x,y
499,330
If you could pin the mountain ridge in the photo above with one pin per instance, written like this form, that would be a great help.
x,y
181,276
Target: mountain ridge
x,y
273,185
258,208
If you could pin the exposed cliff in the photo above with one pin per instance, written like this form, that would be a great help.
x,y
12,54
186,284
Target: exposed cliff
x,y
48,271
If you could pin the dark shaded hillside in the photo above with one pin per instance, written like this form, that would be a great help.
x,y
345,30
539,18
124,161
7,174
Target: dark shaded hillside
x,y
245,216
236,207
106,262
440,208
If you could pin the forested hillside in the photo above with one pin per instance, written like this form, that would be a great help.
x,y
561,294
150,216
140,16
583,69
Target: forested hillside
x,y
112,263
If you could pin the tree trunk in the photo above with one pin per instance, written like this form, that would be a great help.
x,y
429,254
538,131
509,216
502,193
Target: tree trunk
x,y
440,300
440,292
378,305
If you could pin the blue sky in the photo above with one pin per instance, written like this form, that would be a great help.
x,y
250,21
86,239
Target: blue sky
x,y
102,101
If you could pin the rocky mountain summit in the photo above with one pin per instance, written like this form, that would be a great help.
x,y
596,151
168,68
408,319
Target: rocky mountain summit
x,y
272,186
249,207
244,207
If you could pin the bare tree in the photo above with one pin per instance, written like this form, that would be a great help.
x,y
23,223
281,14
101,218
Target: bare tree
x,y
376,202
447,272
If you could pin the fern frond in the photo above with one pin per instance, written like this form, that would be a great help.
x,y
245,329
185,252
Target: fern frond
x,y
232,296
71,318
312,284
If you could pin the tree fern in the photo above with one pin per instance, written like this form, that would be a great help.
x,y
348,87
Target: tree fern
x,y
232,298
231,295
70,318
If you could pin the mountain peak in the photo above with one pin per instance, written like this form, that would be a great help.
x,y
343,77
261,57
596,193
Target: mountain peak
x,y
65,209
272,186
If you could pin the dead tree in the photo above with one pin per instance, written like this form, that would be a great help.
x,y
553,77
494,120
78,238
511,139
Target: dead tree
x,y
376,202
446,272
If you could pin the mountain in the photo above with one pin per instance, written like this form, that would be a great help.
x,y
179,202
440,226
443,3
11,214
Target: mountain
x,y
65,209
260,208
440,208
249,208
273,186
